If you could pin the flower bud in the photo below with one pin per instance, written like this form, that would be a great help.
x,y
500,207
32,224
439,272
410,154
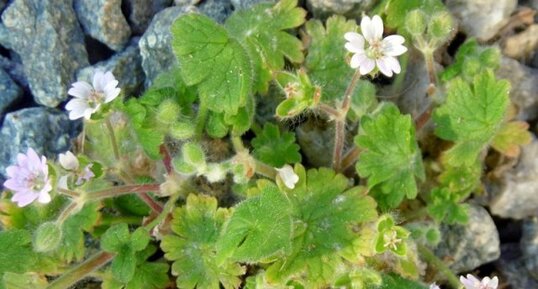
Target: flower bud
x,y
47,237
440,27
194,155
415,22
490,57
182,130
168,112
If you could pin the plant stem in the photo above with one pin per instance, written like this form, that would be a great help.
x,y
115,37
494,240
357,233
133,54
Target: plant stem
x,y
237,143
340,123
423,118
430,257
350,158
167,159
81,270
430,67
154,205
168,207
67,192
201,119
329,110
122,190
265,170
67,211
112,139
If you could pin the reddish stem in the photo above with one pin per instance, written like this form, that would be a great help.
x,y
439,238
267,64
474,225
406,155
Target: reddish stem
x,y
167,159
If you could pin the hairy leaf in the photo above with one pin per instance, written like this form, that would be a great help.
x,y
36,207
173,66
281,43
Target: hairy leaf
x,y
72,246
446,207
275,148
396,11
17,255
471,116
391,281
470,60
325,211
261,30
390,157
217,64
196,227
510,137
260,227
326,60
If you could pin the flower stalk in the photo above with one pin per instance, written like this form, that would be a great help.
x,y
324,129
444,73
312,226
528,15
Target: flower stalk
x,y
82,270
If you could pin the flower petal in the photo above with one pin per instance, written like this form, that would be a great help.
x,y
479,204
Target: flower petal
x,y
111,94
393,50
80,89
76,108
367,66
44,197
393,63
288,176
98,80
384,67
355,46
357,59
24,198
377,24
367,29
68,161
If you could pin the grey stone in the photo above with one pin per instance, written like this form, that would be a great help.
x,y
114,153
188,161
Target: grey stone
x,y
512,267
142,11
48,131
352,8
482,18
14,69
245,4
9,91
522,45
529,246
104,21
524,87
126,67
515,195
50,43
471,245
155,44
216,9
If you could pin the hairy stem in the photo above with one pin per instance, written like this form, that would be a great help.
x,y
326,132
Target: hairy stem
x,y
81,270
237,144
123,190
340,123
67,192
70,209
350,158
201,119
430,257
265,170
168,208
430,67
113,139
167,159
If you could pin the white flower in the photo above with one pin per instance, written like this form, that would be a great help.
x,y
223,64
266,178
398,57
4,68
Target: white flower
x,y
68,161
288,176
471,282
379,51
29,179
434,286
87,98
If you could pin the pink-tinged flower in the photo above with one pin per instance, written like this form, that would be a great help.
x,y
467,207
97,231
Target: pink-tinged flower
x,y
87,98
471,282
288,176
378,52
29,179
434,286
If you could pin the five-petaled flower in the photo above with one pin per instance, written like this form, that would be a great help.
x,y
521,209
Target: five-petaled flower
x,y
288,176
378,52
471,282
87,98
29,179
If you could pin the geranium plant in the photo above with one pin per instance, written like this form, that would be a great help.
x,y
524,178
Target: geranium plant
x,y
193,185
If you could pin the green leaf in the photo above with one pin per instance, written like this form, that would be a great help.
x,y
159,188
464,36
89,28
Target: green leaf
x,y
470,60
392,281
261,30
326,60
217,64
117,239
446,207
396,11
325,211
24,281
17,255
390,157
196,227
260,228
72,245
510,137
471,116
275,148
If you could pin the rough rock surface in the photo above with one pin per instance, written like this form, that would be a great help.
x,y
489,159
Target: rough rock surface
x,y
471,245
529,246
50,43
323,8
482,18
46,130
516,194
9,91
316,139
14,69
512,267
245,4
126,67
522,45
104,21
142,11
157,55
524,86
216,9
